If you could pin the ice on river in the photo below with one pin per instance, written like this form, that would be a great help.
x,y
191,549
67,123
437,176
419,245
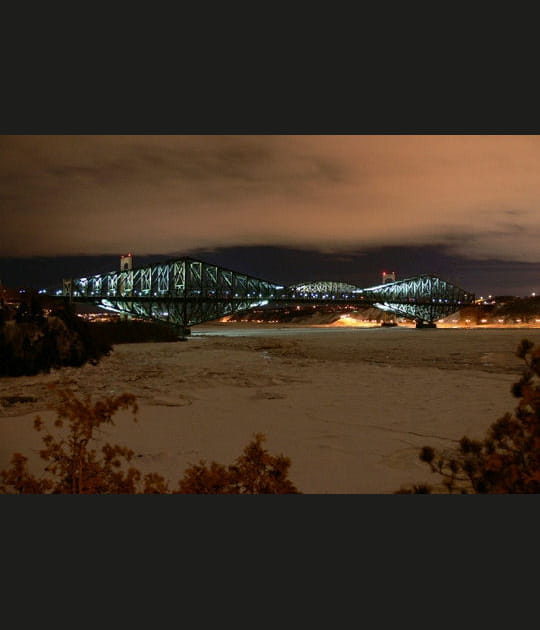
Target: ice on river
x,y
351,407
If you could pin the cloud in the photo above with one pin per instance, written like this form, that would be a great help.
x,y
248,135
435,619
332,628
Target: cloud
x,y
473,196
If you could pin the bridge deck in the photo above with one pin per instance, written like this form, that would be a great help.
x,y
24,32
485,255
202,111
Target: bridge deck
x,y
186,291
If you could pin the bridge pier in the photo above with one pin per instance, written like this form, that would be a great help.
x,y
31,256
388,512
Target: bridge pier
x,y
183,332
422,324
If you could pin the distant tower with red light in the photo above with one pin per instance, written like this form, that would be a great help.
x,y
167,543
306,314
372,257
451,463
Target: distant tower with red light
x,y
126,262
388,276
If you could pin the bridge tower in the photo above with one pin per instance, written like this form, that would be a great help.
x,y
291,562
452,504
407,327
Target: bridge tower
x,y
126,262
388,276
126,279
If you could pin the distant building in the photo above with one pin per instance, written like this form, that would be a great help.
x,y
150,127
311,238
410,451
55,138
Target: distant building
x,y
388,276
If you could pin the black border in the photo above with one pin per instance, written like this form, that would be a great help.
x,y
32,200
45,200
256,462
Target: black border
x,y
362,551
370,93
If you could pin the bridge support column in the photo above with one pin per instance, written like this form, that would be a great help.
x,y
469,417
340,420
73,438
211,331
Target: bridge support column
x,y
422,324
183,332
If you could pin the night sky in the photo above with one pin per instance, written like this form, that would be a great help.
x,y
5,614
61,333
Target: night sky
x,y
286,208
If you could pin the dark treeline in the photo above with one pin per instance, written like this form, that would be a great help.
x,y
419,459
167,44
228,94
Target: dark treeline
x,y
31,342
524,308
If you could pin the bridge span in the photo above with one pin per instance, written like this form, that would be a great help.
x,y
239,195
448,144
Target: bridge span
x,y
185,292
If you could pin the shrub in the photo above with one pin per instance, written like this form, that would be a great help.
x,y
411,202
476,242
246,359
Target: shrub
x,y
507,460
75,467
254,472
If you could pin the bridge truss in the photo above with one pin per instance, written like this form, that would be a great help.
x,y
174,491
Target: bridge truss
x,y
424,298
186,292
183,292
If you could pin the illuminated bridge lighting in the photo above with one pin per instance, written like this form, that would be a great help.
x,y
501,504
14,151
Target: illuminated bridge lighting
x,y
186,292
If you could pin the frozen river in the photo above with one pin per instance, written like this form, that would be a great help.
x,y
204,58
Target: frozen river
x,y
351,407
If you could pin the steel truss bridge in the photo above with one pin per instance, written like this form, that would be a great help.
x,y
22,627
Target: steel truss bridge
x,y
185,292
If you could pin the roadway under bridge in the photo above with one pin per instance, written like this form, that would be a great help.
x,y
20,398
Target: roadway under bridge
x,y
185,292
